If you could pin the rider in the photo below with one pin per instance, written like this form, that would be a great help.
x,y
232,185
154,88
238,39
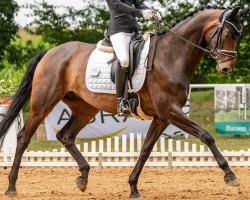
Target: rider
x,y
122,26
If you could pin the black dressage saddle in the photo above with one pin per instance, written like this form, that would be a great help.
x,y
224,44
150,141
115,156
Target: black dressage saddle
x,y
136,45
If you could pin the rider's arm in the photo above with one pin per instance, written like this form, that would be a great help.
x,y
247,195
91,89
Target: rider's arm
x,y
139,5
122,7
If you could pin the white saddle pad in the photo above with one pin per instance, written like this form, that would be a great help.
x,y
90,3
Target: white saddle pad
x,y
98,72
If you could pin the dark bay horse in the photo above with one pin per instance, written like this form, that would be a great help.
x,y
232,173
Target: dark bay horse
x,y
59,74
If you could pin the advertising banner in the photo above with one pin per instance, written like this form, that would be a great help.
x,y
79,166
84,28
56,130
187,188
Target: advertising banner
x,y
105,125
232,109
10,140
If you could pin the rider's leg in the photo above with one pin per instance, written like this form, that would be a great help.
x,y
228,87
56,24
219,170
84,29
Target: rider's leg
x,y
121,80
120,42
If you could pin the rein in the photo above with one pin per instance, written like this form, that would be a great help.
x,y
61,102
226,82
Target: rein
x,y
184,39
214,52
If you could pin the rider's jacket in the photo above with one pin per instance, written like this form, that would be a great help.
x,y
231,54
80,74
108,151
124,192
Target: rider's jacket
x,y
122,15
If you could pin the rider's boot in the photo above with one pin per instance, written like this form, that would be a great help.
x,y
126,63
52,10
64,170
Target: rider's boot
x,y
121,81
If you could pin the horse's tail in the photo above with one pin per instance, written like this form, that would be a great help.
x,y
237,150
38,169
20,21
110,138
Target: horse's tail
x,y
20,97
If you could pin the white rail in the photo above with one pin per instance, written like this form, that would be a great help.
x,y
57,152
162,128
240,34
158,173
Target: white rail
x,y
213,85
125,152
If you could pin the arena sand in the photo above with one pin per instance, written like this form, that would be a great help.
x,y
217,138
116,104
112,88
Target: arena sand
x,y
112,183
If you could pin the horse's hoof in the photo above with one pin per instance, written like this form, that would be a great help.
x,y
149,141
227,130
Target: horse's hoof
x,y
82,185
11,193
135,195
232,181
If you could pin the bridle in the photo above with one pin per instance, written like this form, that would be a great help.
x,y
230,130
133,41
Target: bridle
x,y
216,51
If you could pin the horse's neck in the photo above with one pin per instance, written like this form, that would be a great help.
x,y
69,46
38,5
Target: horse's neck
x,y
191,29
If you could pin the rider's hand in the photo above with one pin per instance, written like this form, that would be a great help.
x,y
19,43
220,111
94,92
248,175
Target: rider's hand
x,y
157,16
151,14
147,14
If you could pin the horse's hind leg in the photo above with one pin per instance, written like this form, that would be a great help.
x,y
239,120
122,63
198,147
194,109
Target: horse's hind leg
x,y
179,119
42,102
23,140
82,113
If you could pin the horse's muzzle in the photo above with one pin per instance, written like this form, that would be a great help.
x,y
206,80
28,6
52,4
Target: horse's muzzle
x,y
225,70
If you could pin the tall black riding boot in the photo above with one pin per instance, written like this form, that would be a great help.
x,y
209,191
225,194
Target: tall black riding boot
x,y
121,81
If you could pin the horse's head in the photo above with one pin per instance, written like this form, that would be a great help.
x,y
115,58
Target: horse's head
x,y
222,38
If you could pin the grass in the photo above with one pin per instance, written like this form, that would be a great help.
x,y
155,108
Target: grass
x,y
201,111
231,116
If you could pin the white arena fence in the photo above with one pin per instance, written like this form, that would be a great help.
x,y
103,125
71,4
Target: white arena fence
x,y
115,152
125,152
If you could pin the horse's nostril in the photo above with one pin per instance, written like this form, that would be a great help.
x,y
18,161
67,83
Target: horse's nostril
x,y
225,70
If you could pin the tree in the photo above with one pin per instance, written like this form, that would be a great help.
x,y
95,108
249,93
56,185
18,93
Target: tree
x,y
206,72
72,25
89,23
8,27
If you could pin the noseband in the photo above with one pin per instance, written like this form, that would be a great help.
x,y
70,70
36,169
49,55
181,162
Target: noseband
x,y
216,51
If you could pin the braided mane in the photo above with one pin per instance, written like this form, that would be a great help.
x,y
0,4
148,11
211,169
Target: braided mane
x,y
190,14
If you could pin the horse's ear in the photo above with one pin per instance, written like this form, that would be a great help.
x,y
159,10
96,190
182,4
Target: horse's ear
x,y
243,12
233,13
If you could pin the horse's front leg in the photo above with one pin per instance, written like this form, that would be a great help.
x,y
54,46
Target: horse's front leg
x,y
179,119
67,137
154,132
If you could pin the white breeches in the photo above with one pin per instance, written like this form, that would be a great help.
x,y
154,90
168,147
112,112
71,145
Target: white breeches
x,y
120,42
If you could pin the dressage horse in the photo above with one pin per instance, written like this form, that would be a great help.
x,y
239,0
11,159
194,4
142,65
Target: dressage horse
x,y
59,74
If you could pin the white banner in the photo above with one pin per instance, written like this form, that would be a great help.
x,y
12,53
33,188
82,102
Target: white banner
x,y
105,125
10,140
232,109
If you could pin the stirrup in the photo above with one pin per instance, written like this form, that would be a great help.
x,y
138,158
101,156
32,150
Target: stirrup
x,y
123,108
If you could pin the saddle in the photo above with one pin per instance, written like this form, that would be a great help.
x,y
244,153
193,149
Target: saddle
x,y
136,45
